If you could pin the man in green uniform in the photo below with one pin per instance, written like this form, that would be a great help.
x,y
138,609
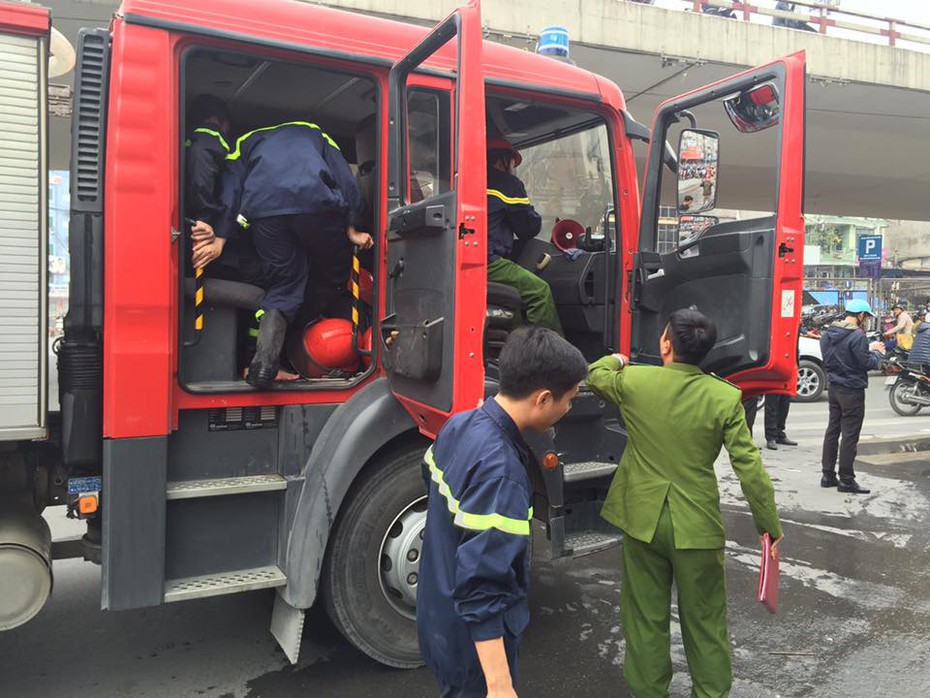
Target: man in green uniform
x,y
665,499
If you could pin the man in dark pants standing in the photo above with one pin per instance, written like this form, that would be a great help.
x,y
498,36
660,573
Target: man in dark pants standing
x,y
776,415
472,604
847,357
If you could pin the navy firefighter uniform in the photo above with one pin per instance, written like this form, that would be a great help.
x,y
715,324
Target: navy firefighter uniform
x,y
474,569
204,161
510,214
296,198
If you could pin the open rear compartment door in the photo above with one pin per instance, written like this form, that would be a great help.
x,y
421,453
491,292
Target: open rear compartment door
x,y
431,337
724,237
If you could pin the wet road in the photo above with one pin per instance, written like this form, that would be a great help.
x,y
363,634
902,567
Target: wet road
x,y
854,617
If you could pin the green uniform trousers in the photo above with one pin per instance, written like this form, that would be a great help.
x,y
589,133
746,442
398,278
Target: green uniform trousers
x,y
535,293
645,604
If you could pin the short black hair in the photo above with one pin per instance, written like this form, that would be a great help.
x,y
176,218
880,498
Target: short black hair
x,y
692,335
205,107
689,197
536,358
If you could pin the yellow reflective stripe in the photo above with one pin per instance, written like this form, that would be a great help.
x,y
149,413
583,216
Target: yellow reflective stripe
x,y
243,221
259,313
237,153
198,298
198,323
474,522
508,199
253,332
215,134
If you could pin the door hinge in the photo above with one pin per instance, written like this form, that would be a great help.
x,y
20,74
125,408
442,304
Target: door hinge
x,y
175,234
783,250
463,231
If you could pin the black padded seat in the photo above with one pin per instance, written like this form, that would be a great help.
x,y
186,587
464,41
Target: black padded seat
x,y
220,293
504,296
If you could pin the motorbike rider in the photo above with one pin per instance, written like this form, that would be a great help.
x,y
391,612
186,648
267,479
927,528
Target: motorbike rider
x,y
920,352
904,325
848,357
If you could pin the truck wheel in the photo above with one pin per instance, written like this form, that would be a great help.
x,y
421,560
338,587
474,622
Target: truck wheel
x,y
811,381
372,568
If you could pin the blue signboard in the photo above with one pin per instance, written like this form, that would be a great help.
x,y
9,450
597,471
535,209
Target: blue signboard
x,y
870,248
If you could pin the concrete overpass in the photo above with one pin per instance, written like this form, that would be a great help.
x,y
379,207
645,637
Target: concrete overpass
x,y
868,151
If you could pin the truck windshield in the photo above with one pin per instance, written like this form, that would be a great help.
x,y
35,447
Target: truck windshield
x,y
571,177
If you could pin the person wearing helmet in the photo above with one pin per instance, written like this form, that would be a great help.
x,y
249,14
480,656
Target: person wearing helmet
x,y
847,357
510,214
902,332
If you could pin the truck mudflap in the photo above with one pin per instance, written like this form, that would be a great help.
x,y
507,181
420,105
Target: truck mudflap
x,y
352,436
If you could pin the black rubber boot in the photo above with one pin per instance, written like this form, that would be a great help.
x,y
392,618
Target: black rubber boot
x,y
267,359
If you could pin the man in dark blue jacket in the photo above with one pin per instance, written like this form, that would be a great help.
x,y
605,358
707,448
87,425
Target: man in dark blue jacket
x,y
847,358
471,596
204,162
296,197
510,214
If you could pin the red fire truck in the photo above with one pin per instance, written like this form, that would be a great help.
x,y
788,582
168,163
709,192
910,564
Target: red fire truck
x,y
191,482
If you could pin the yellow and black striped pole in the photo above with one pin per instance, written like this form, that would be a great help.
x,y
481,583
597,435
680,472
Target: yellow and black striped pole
x,y
198,300
356,267
356,293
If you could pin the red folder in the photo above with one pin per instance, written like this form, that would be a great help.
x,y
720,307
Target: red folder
x,y
768,575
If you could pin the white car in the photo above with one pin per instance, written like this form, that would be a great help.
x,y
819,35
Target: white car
x,y
812,378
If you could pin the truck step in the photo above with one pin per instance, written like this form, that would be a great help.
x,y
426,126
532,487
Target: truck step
x,y
217,487
587,542
591,470
224,583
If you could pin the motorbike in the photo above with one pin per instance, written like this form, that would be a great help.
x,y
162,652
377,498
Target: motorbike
x,y
909,388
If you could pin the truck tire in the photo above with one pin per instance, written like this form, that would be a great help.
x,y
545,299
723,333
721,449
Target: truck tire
x,y
812,380
372,567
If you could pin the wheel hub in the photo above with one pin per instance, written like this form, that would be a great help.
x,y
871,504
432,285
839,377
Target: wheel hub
x,y
401,550
807,382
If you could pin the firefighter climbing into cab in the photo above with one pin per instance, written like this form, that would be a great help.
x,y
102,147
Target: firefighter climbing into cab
x,y
296,197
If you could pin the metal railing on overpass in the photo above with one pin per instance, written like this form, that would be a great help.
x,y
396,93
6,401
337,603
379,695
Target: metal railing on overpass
x,y
821,17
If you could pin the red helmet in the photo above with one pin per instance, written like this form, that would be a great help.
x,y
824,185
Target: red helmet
x,y
504,144
323,347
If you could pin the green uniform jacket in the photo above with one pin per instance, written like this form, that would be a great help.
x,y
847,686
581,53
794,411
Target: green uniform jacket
x,y
677,418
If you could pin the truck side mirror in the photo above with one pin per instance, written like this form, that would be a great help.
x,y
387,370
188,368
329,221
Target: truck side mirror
x,y
754,110
697,170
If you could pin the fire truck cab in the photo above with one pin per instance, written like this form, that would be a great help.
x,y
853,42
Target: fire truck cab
x,y
192,482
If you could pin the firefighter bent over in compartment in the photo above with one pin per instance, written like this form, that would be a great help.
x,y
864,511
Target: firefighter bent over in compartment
x,y
296,197
510,214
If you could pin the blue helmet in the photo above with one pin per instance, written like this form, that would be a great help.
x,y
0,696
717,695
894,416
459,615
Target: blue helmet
x,y
856,306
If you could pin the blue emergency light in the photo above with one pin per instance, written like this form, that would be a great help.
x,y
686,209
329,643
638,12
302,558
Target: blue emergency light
x,y
553,41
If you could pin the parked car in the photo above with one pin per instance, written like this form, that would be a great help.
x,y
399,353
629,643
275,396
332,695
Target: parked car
x,y
812,378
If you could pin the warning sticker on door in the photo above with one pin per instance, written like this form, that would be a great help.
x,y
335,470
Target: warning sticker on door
x,y
787,303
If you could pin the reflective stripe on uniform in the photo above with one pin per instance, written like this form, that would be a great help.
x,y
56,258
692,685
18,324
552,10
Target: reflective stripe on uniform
x,y
237,153
475,522
215,134
512,200
243,221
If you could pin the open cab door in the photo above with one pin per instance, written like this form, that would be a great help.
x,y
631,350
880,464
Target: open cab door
x,y
431,338
727,238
